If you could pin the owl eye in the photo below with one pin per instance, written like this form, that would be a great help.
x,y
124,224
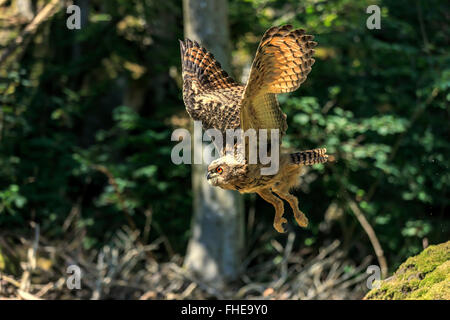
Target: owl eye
x,y
219,170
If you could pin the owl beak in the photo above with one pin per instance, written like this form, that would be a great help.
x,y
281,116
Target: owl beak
x,y
208,175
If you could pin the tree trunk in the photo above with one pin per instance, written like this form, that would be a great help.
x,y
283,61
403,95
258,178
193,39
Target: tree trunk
x,y
25,9
215,248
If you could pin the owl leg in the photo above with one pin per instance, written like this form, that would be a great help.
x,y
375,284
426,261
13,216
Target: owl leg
x,y
300,217
278,221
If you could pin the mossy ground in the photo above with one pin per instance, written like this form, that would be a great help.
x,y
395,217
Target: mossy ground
x,y
425,276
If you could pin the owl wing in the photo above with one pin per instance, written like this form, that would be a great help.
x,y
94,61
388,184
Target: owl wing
x,y
282,62
210,95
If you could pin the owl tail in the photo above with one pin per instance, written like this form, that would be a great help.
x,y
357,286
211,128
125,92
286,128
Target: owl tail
x,y
310,157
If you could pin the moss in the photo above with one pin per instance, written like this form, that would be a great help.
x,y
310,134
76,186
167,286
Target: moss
x,y
425,276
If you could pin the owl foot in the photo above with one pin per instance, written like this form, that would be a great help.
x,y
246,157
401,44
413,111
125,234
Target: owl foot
x,y
278,224
301,219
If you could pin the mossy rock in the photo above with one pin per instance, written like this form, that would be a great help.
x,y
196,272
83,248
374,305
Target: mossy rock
x,y
422,277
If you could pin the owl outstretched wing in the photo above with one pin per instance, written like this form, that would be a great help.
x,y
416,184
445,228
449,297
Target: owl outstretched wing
x,y
209,93
282,62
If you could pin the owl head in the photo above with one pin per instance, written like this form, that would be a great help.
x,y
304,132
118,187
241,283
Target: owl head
x,y
224,171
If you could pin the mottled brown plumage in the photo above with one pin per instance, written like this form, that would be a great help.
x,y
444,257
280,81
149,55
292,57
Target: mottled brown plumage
x,y
282,62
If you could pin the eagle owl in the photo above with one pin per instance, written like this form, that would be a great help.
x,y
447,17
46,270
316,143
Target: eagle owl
x,y
282,62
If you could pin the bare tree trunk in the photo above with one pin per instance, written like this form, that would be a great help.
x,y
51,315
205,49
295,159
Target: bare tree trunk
x,y
215,248
25,9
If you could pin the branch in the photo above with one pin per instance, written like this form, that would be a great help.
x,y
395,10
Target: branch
x,y
123,206
371,234
47,12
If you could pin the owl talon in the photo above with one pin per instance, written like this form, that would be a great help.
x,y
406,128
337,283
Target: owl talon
x,y
278,225
301,219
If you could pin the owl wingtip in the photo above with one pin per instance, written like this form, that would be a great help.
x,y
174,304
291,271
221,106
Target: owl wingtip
x,y
182,47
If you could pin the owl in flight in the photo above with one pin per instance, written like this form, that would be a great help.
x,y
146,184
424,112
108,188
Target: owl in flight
x,y
282,62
